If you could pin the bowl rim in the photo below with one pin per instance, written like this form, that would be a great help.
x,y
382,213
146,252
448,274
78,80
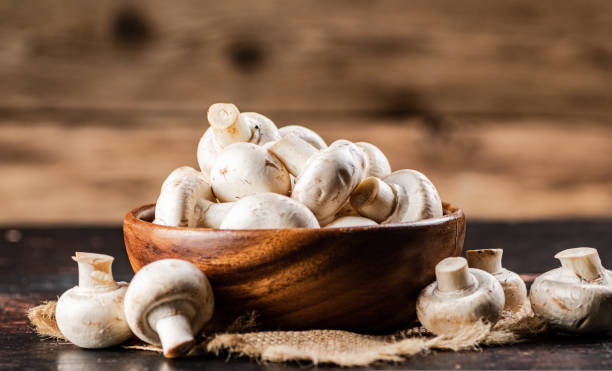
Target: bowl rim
x,y
451,213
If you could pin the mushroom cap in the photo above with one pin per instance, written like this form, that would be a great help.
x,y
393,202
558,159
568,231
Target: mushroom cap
x,y
244,169
350,221
207,153
329,178
181,172
423,199
93,319
377,164
264,130
268,211
570,304
514,287
305,134
515,290
180,200
449,312
163,282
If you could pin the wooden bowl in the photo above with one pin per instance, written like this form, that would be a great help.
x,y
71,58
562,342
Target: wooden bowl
x,y
359,278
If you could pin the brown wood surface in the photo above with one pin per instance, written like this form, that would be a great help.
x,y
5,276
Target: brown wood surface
x,y
381,57
35,265
507,107
93,166
360,278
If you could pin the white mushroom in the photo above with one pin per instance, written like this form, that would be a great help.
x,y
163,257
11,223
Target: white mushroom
x,y
244,169
350,221
376,162
90,315
186,200
305,134
229,126
168,302
576,297
268,211
459,298
207,153
404,196
490,260
328,178
179,173
347,210
293,151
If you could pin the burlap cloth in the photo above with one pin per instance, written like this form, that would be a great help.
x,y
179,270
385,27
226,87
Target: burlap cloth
x,y
330,346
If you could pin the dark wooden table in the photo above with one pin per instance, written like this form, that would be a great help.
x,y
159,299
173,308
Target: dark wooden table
x,y
35,265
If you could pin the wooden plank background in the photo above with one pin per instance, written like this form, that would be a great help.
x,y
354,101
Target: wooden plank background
x,y
506,106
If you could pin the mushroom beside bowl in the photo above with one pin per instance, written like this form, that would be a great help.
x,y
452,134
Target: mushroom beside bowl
x,y
364,278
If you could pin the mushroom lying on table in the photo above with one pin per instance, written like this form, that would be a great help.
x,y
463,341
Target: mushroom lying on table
x,y
90,315
168,302
489,260
459,297
576,297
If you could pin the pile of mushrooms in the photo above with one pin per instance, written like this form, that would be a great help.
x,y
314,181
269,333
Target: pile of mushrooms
x,y
575,298
254,175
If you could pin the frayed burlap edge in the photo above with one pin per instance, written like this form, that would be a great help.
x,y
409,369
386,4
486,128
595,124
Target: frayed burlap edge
x,y
332,346
42,317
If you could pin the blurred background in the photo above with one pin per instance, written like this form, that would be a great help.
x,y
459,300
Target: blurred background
x,y
507,107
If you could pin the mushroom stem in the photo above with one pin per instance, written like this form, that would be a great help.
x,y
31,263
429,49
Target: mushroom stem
x,y
95,270
293,152
452,275
489,260
584,262
171,322
227,124
175,335
374,199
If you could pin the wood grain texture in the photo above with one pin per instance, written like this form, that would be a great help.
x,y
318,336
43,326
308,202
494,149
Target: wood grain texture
x,y
359,278
382,57
93,166
505,106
